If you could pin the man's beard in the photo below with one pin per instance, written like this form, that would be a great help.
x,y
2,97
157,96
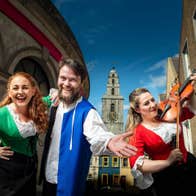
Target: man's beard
x,y
69,100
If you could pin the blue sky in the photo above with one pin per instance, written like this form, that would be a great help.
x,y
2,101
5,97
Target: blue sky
x,y
135,37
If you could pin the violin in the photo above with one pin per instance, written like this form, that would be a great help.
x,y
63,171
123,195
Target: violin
x,y
169,109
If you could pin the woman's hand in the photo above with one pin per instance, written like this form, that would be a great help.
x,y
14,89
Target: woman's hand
x,y
175,156
5,152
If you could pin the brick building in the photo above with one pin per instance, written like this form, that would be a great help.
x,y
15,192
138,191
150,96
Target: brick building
x,y
182,66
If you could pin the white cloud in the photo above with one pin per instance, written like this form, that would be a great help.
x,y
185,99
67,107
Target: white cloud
x,y
154,80
159,65
98,106
176,55
126,107
135,64
91,64
93,32
157,81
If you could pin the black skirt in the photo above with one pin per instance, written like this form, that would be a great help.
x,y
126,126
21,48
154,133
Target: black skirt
x,y
18,175
178,179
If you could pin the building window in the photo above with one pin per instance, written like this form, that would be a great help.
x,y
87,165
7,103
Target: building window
x,y
115,179
194,23
112,107
112,91
187,135
113,81
105,161
186,61
115,162
90,177
125,162
123,182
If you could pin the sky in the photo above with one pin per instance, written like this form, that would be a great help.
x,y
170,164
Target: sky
x,y
135,37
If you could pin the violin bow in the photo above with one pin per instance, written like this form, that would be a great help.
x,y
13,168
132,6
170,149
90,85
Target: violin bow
x,y
178,122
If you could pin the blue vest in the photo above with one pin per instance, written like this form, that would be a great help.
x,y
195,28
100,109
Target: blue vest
x,y
74,153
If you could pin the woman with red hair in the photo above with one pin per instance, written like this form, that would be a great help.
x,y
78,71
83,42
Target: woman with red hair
x,y
23,117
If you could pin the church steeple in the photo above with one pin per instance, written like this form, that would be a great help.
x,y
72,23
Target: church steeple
x,y
112,104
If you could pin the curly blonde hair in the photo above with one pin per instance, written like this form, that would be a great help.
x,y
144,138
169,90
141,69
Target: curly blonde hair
x,y
134,118
37,109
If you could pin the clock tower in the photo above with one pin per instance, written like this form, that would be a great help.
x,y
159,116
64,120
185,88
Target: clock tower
x,y
112,104
111,170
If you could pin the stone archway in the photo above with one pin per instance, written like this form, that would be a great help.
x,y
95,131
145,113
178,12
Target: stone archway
x,y
1,51
32,67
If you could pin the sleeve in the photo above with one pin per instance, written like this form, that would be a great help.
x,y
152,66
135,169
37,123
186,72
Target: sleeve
x,y
1,121
137,141
47,101
97,134
3,116
142,181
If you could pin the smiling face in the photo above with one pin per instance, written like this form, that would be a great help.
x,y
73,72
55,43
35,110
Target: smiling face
x,y
21,91
147,106
69,84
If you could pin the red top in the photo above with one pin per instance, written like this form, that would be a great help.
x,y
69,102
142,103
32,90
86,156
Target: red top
x,y
147,141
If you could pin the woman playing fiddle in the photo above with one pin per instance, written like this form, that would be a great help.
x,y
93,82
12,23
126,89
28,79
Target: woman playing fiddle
x,y
159,167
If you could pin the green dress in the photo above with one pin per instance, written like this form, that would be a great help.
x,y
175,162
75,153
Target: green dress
x,y
10,135
18,174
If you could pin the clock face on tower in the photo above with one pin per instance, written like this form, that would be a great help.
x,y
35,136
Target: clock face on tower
x,y
113,116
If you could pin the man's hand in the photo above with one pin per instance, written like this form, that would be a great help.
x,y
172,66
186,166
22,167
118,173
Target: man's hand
x,y
120,147
54,97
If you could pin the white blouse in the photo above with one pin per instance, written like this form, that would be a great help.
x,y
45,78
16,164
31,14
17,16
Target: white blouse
x,y
166,131
26,129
